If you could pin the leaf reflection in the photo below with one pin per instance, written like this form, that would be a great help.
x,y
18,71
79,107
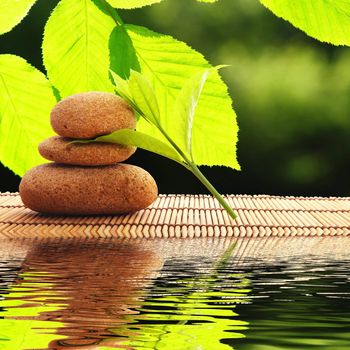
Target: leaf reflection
x,y
189,313
107,295
24,322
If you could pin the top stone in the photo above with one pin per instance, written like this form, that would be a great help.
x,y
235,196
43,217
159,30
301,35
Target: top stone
x,y
91,114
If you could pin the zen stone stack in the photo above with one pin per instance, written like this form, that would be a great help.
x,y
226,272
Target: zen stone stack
x,y
88,179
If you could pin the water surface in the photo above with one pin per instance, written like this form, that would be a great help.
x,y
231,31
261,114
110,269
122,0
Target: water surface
x,y
256,294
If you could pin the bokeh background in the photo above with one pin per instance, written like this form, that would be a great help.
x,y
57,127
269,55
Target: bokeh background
x,y
291,94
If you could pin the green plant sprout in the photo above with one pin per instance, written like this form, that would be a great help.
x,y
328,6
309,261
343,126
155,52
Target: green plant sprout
x,y
138,92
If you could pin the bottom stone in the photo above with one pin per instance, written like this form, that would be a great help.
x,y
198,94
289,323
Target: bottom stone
x,y
74,190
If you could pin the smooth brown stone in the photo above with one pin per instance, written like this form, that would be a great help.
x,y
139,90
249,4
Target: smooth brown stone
x,y
91,114
73,190
61,150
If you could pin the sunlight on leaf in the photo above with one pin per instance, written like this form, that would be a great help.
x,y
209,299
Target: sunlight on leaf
x,y
122,87
12,12
130,4
185,107
76,54
168,64
26,99
325,20
144,96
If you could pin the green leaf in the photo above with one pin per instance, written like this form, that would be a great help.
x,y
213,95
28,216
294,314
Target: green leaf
x,y
187,104
121,64
141,140
131,4
12,12
325,20
168,64
122,88
144,97
26,99
185,107
75,47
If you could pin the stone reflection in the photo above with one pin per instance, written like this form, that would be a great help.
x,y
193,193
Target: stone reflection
x,y
77,290
101,295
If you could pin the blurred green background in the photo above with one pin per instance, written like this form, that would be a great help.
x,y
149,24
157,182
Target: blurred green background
x,y
291,94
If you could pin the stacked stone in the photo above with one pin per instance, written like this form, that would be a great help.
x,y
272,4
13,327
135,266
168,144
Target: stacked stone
x,y
88,178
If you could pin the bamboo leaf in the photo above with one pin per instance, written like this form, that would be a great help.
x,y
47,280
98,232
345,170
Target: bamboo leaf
x,y
12,12
26,99
76,46
325,20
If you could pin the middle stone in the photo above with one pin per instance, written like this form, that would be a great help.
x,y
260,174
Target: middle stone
x,y
61,150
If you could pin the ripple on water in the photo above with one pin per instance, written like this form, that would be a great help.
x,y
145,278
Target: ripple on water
x,y
175,295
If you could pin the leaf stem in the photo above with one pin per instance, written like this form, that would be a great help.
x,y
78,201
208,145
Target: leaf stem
x,y
195,170
113,14
188,163
200,176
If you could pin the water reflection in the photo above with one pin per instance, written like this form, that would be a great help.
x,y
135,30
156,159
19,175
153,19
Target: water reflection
x,y
262,294
94,295
189,306
299,304
81,289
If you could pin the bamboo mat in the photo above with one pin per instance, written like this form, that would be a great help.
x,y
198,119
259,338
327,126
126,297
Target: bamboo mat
x,y
188,216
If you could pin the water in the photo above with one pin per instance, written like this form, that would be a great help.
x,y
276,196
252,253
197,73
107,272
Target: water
x,y
256,294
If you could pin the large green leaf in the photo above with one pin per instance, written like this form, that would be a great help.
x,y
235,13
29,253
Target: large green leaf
x,y
26,99
12,12
168,64
130,4
75,46
325,20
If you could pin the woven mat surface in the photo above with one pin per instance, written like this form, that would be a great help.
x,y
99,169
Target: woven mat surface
x,y
188,216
